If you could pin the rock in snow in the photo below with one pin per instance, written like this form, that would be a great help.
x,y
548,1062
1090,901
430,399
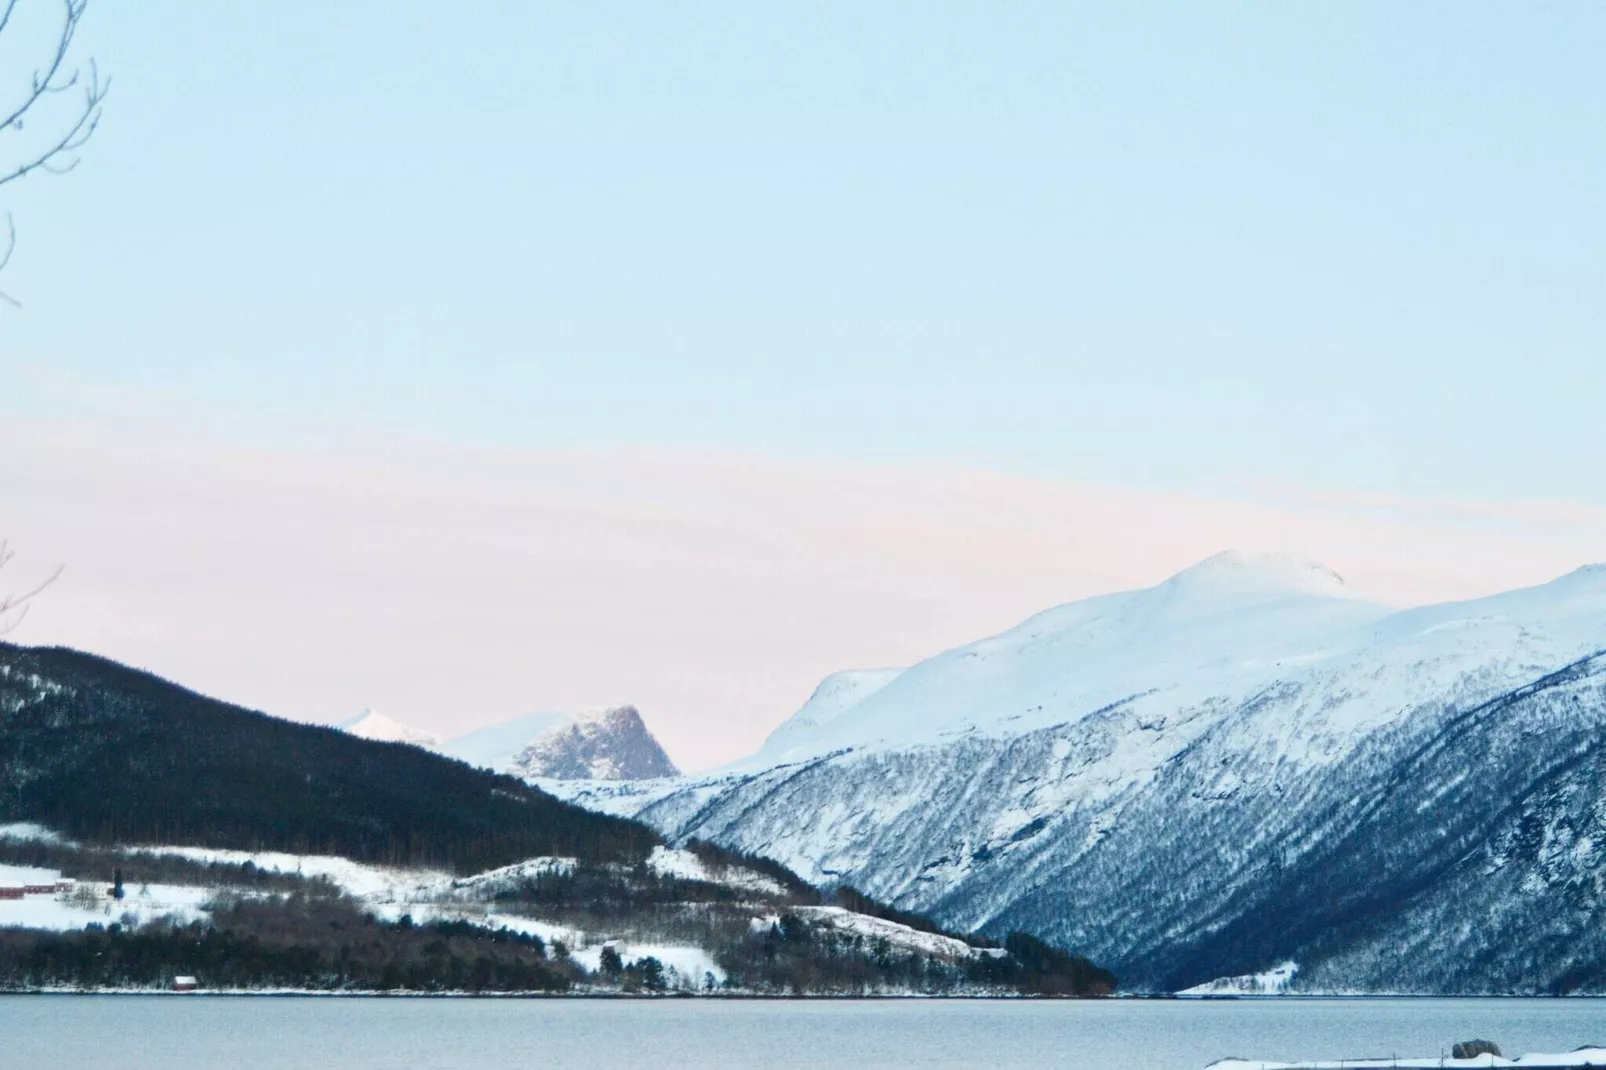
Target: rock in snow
x,y
1240,767
614,745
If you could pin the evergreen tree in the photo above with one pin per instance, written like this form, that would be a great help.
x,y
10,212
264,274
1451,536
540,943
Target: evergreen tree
x,y
652,974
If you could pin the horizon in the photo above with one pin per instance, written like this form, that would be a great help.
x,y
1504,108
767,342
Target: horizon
x,y
683,357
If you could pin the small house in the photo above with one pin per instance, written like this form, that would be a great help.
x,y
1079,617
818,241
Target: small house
x,y
12,893
184,983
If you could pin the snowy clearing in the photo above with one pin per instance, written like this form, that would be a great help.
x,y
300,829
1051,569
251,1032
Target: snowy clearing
x,y
670,862
88,902
691,964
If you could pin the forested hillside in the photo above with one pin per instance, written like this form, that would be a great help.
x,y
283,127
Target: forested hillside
x,y
159,804
107,754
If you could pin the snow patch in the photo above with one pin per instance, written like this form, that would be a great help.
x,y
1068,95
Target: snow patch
x,y
690,964
1272,982
895,933
683,865
381,729
29,832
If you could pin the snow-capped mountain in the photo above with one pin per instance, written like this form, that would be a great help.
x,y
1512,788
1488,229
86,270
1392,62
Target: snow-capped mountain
x,y
611,745
614,745
499,745
1241,767
836,695
371,725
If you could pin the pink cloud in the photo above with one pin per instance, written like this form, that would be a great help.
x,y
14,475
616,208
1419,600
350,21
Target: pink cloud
x,y
451,588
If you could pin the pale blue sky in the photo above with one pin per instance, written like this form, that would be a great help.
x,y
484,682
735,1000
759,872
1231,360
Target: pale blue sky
x,y
1353,246
773,281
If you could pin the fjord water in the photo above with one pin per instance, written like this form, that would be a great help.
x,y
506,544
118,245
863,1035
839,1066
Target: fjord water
x,y
291,1033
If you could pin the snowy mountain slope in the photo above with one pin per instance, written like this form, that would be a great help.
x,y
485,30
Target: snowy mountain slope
x,y
498,745
1239,767
376,726
836,695
613,745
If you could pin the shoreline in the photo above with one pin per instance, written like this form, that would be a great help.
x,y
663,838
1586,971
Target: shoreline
x,y
756,997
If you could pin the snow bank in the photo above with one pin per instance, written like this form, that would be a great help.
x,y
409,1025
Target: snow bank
x,y
1582,1057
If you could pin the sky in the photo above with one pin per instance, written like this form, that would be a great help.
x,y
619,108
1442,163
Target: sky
x,y
469,360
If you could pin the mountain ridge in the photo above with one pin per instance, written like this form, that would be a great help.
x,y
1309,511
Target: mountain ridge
x,y
1168,753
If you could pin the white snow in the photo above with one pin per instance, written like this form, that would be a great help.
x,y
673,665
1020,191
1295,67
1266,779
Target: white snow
x,y
496,746
1269,657
836,695
376,726
357,879
689,963
895,933
492,881
1220,632
89,902
1178,657
20,876
29,832
1581,1057
672,862
1268,983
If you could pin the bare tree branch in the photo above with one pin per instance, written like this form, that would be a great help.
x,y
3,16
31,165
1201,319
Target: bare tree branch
x,y
14,607
57,154
11,246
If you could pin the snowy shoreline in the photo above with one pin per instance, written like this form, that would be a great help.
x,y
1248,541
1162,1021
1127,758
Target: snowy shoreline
x,y
613,994
601,994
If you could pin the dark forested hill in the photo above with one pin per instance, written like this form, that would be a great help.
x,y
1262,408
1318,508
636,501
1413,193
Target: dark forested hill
x,y
107,754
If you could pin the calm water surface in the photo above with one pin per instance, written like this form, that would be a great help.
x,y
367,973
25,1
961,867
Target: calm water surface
x,y
166,1033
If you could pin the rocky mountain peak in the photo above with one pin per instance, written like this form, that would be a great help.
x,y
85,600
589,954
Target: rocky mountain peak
x,y
613,745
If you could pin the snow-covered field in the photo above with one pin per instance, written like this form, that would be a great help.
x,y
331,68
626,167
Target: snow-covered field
x,y
88,903
389,893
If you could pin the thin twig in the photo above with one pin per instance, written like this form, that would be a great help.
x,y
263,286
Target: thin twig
x,y
15,606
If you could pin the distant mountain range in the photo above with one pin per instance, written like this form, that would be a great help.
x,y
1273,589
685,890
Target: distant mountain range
x,y
1243,769
614,744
